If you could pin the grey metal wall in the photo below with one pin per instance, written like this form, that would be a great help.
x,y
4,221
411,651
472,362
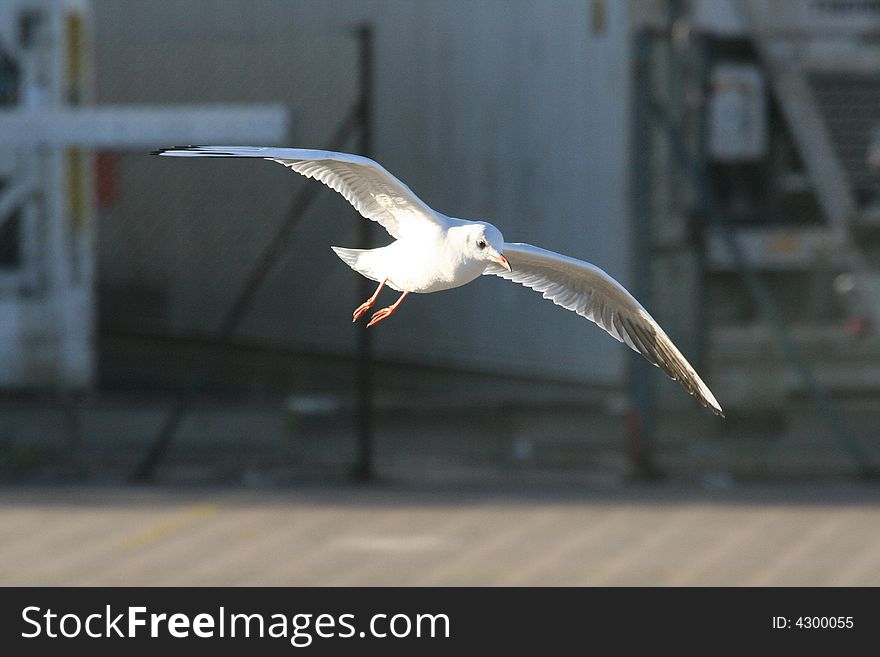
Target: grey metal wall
x,y
512,112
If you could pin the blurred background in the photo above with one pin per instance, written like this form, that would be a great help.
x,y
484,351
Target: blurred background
x,y
177,360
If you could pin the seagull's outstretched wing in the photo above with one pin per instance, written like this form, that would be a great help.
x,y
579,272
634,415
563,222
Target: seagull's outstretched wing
x,y
591,293
374,192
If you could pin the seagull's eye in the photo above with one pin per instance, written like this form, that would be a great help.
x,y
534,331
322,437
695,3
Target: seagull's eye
x,y
481,244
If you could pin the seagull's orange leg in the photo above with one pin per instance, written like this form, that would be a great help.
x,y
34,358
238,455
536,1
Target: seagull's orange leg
x,y
366,305
385,313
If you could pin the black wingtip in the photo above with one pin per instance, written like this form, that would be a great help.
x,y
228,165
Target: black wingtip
x,y
201,150
190,147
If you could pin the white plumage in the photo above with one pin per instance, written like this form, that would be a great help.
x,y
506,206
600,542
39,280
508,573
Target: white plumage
x,y
434,252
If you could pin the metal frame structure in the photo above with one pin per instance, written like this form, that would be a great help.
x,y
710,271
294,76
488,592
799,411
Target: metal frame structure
x,y
674,119
47,297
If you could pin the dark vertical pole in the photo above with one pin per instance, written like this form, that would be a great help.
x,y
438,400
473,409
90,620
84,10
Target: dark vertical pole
x,y
641,419
364,466
700,223
71,401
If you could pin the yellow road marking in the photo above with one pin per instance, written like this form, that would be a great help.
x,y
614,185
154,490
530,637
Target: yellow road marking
x,y
165,528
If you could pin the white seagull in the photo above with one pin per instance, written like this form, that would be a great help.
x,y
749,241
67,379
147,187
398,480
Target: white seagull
x,y
433,252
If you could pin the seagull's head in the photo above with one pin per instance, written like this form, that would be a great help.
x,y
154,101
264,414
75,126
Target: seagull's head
x,y
486,243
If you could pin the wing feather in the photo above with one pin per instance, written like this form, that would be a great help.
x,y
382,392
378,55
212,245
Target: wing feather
x,y
373,192
591,293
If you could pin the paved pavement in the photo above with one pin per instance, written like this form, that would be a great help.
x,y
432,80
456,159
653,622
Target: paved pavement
x,y
792,534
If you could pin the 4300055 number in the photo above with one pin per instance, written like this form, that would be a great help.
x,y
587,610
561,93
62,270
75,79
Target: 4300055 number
x,y
824,622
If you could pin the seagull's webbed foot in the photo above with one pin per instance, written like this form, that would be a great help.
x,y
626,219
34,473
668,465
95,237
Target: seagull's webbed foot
x,y
379,315
366,305
361,310
385,313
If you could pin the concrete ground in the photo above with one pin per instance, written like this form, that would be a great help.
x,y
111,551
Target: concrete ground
x,y
505,533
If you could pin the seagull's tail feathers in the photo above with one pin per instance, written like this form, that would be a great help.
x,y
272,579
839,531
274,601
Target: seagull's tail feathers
x,y
355,259
349,256
363,261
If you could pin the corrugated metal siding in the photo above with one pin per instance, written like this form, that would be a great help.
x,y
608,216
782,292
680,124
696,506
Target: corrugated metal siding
x,y
511,112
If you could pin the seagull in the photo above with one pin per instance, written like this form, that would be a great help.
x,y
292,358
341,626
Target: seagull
x,y
433,252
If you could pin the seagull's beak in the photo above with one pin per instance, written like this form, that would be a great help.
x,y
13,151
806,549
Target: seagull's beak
x,y
501,260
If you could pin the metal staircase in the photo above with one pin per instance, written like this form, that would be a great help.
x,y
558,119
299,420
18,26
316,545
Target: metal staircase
x,y
821,59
